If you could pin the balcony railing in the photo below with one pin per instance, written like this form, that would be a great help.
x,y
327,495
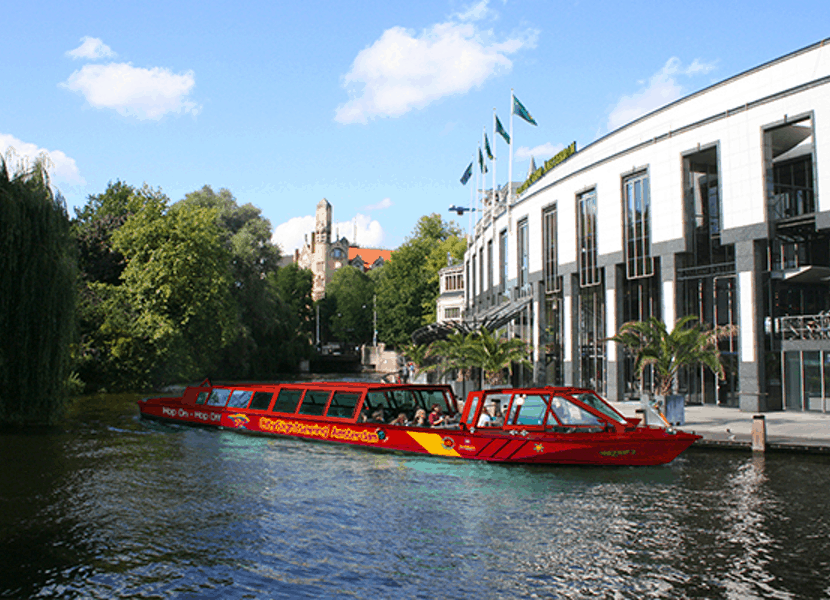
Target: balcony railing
x,y
805,327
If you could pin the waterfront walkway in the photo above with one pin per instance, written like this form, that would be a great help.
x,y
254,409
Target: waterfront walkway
x,y
729,427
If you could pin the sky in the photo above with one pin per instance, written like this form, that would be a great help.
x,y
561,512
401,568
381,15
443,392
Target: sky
x,y
376,106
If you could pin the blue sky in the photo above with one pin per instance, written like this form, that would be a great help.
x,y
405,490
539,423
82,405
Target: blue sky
x,y
376,106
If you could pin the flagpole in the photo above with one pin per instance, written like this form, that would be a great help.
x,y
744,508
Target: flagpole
x,y
470,206
510,163
494,161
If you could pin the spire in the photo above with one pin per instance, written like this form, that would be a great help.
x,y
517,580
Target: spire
x,y
532,167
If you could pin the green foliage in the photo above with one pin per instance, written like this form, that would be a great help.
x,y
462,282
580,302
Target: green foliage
x,y
175,292
348,306
287,337
246,236
38,267
408,284
689,344
482,349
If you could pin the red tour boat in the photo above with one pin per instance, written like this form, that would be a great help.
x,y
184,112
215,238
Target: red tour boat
x,y
546,425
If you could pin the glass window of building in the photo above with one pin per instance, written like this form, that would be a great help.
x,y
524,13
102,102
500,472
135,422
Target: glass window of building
x,y
637,216
522,253
481,268
490,264
551,258
503,257
587,238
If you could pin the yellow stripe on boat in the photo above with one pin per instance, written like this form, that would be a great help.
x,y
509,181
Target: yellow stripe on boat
x,y
434,443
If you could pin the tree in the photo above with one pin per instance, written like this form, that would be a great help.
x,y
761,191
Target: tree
x,y
689,344
177,282
408,284
348,306
482,349
38,267
93,227
288,339
252,258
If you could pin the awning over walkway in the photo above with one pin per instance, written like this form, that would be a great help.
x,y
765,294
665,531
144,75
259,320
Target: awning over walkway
x,y
492,320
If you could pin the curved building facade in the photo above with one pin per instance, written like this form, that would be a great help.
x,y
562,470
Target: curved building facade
x,y
709,206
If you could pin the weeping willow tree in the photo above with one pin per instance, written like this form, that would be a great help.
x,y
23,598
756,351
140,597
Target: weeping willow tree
x,y
37,296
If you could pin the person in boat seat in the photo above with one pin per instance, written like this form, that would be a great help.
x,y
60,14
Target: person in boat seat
x,y
399,420
484,419
363,417
559,409
436,417
420,419
378,416
496,414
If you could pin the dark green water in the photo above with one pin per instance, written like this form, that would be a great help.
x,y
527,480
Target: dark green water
x,y
110,506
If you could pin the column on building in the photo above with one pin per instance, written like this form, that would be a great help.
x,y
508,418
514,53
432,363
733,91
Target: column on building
x,y
749,263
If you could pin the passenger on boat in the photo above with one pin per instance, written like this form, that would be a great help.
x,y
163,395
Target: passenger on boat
x,y
436,419
420,419
378,416
498,417
485,419
364,415
399,420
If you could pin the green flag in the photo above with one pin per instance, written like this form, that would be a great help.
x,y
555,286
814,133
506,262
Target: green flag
x,y
468,172
481,162
487,148
500,130
520,110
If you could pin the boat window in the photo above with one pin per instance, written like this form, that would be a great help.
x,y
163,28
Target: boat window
x,y
218,397
471,415
599,404
200,399
287,401
261,401
314,402
430,397
240,399
375,400
343,405
404,401
569,413
528,409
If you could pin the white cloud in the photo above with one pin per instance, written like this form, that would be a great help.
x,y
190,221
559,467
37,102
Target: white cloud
x,y
663,88
362,230
59,165
543,151
402,71
290,235
91,48
385,203
134,91
477,12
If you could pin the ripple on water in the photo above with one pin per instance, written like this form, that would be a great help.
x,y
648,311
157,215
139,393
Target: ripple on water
x,y
116,507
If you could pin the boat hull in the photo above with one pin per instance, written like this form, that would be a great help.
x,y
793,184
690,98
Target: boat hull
x,y
640,446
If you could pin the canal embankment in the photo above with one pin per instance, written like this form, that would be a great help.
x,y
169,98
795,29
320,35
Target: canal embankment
x,y
723,427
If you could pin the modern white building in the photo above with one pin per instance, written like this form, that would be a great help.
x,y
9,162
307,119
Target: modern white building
x,y
709,206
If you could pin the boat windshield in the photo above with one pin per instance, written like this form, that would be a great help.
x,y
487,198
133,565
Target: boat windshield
x,y
600,405
527,409
569,414
218,397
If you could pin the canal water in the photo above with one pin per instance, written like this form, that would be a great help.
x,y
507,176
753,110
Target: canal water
x,y
110,506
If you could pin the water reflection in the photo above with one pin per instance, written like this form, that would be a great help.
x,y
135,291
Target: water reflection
x,y
112,506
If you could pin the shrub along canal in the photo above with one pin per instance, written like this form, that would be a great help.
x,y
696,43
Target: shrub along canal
x,y
107,506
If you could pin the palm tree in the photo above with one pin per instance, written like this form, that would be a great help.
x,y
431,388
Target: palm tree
x,y
482,349
689,344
